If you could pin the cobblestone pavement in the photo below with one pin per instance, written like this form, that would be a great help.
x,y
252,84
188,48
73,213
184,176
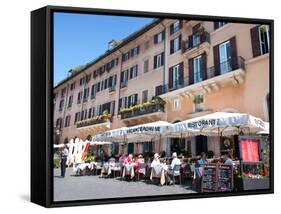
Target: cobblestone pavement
x,y
73,187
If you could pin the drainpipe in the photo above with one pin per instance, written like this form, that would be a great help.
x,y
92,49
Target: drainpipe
x,y
165,51
65,106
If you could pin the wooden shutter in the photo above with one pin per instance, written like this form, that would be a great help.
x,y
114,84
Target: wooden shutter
x,y
179,42
155,62
131,72
216,25
129,101
217,60
158,90
180,24
136,70
171,29
122,77
204,65
138,50
110,82
163,35
233,49
171,77
255,41
172,46
190,41
162,58
190,71
136,99
155,38
181,77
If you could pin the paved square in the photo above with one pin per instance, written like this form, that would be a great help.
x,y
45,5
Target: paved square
x,y
73,187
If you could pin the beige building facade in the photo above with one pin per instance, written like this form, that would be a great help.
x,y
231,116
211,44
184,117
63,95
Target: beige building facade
x,y
195,67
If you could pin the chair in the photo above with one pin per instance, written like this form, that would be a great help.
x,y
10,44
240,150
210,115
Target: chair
x,y
141,170
117,169
156,172
176,173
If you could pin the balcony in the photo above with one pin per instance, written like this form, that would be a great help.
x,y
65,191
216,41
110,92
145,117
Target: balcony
x,y
142,113
97,120
112,88
196,42
123,84
232,70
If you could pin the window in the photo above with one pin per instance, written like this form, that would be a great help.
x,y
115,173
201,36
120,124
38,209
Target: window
x,y
72,86
176,76
124,78
175,45
219,24
59,123
70,101
135,51
134,72
159,37
197,68
158,60
145,66
122,103
130,148
98,87
196,40
125,56
61,105
115,149
83,114
67,121
77,117
264,39
63,92
88,78
225,56
176,104
147,147
79,98
133,100
93,91
86,95
144,96
198,102
175,27
82,81
146,45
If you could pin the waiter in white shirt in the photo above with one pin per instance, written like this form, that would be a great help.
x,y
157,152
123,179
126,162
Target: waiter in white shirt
x,y
64,155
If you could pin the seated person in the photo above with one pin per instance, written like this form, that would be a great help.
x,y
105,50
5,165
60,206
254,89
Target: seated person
x,y
227,159
138,163
156,160
122,158
111,161
175,161
202,160
128,159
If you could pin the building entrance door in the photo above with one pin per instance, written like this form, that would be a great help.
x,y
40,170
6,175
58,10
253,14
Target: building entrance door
x,y
201,143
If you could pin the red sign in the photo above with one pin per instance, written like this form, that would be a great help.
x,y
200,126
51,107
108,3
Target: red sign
x,y
250,150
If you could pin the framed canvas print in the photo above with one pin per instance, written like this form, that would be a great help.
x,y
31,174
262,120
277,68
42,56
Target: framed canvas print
x,y
132,106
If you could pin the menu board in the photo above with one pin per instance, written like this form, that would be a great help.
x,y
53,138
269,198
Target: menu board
x,y
209,178
250,150
217,178
225,178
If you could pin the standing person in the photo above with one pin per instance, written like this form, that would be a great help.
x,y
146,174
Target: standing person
x,y
202,160
64,155
172,171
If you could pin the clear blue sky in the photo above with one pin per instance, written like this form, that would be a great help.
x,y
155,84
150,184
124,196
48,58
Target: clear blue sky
x,y
80,38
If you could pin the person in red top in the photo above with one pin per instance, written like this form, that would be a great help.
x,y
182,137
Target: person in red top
x,y
138,164
128,159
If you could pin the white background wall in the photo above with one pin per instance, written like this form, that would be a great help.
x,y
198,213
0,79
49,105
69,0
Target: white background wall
x,y
15,107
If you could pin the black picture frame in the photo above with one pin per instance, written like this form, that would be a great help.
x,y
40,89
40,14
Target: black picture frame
x,y
42,112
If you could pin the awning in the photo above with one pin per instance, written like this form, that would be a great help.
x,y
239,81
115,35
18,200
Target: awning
x,y
221,122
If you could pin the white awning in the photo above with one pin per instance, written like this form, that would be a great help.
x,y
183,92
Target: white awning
x,y
221,122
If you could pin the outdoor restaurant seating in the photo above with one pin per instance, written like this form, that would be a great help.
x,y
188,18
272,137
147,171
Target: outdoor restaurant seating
x,y
159,173
176,173
117,169
141,170
128,171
